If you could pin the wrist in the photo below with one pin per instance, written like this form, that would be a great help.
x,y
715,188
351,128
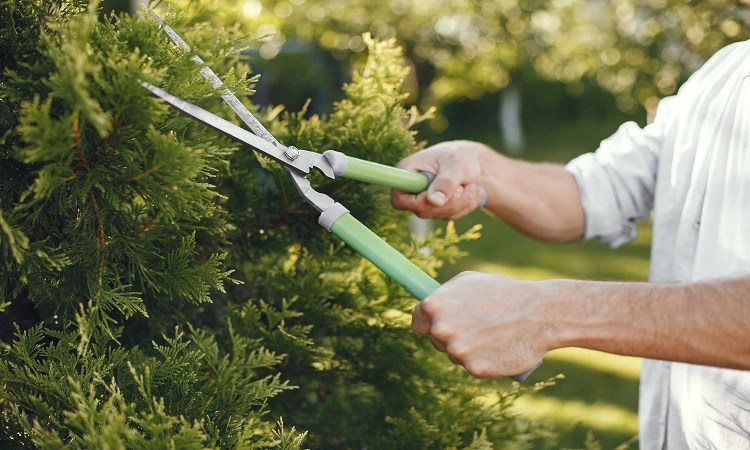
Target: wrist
x,y
562,310
605,315
490,164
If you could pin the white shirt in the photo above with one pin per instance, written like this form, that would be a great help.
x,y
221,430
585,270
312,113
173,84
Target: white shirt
x,y
691,168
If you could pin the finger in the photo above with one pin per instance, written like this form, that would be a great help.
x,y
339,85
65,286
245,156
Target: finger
x,y
463,200
420,322
476,196
419,205
444,186
418,162
455,360
408,202
439,346
460,204
452,204
469,202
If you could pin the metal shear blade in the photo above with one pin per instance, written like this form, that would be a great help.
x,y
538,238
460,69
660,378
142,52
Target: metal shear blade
x,y
303,163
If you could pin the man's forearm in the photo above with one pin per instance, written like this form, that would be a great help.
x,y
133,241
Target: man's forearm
x,y
700,323
539,200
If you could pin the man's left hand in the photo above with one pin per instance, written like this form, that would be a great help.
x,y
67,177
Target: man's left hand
x,y
493,325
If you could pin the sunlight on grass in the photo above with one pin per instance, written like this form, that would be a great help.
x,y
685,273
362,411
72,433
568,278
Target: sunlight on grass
x,y
625,266
569,413
644,235
629,267
524,273
621,366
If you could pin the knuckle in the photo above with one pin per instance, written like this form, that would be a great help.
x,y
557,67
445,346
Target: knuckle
x,y
458,350
478,368
450,155
442,332
409,162
429,306
465,274
443,182
439,346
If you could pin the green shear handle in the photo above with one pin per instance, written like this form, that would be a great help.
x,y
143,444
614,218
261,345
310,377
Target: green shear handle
x,y
384,257
375,173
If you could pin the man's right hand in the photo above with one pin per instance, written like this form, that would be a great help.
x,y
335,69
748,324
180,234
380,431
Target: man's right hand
x,y
455,191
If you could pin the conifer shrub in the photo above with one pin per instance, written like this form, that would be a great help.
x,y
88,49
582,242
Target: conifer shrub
x,y
165,287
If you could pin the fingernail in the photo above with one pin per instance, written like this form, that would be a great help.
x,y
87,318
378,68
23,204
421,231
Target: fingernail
x,y
437,197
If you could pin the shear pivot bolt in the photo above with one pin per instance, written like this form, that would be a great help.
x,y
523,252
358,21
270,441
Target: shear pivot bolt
x,y
291,153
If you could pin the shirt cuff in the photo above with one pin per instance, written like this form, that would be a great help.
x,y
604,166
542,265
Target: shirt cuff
x,y
602,220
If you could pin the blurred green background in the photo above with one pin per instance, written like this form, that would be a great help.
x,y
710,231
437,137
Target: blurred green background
x,y
538,79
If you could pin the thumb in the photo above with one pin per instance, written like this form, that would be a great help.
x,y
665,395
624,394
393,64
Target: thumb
x,y
443,186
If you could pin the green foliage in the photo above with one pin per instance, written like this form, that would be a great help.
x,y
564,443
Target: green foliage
x,y
73,406
639,50
166,289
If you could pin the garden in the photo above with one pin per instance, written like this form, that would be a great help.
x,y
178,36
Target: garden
x,y
165,286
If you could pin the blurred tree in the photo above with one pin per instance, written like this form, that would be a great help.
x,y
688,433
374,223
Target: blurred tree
x,y
457,50
640,50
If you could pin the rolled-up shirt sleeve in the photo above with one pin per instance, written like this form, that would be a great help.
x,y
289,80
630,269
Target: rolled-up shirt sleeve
x,y
617,181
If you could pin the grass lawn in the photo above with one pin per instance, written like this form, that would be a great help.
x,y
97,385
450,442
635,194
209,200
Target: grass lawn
x,y
600,391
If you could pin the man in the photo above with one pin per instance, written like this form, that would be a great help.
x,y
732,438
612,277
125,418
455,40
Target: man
x,y
691,169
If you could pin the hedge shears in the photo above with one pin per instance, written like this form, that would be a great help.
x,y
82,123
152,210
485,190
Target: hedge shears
x,y
334,217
